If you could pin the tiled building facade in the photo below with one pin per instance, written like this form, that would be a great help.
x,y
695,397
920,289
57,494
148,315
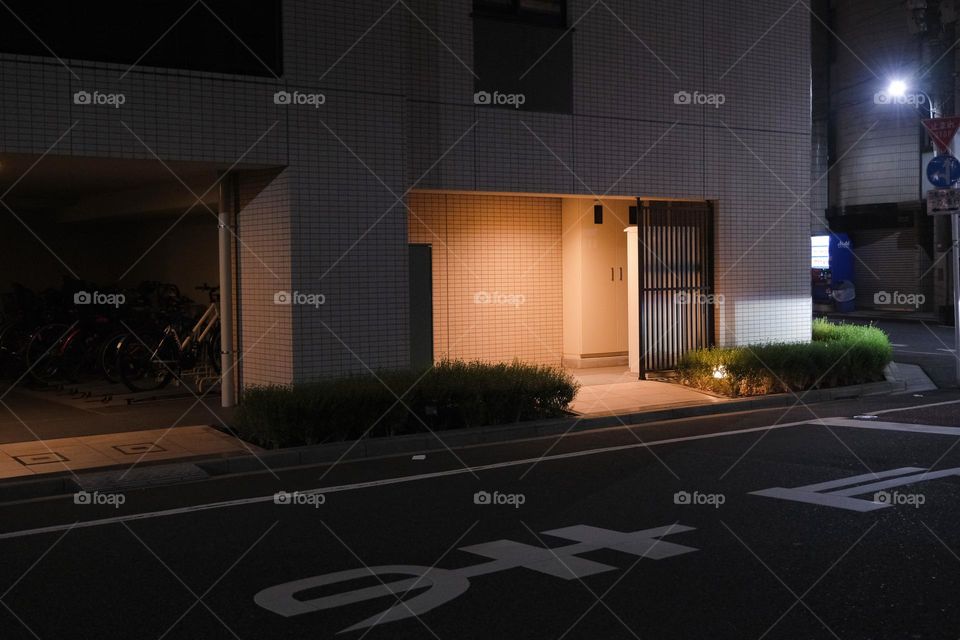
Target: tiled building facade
x,y
328,192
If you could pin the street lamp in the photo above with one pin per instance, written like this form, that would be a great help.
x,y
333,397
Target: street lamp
x,y
899,88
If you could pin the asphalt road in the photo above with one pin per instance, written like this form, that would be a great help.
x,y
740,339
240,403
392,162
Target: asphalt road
x,y
651,532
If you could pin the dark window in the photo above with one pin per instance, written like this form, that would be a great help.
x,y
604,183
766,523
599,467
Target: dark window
x,y
598,214
133,32
551,13
633,215
523,55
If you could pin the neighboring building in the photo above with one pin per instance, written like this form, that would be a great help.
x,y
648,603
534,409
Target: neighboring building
x,y
878,147
401,124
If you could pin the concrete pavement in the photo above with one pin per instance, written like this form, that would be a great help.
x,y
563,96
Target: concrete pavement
x,y
614,390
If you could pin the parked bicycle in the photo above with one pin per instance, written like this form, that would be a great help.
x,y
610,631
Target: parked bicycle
x,y
73,333
150,362
72,347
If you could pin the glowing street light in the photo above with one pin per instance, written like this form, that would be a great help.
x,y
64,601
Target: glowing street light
x,y
897,93
897,88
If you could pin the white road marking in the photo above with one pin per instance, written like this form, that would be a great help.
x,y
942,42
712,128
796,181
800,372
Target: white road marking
x,y
444,585
917,406
387,481
925,353
864,477
839,494
892,426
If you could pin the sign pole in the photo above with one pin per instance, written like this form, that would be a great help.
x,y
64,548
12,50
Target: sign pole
x,y
955,260
945,199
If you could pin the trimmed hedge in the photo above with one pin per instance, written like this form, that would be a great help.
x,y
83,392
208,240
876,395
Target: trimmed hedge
x,y
451,395
839,355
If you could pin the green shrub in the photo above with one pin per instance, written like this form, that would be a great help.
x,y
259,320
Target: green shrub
x,y
839,355
450,395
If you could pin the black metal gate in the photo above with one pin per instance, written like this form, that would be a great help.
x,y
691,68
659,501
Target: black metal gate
x,y
676,281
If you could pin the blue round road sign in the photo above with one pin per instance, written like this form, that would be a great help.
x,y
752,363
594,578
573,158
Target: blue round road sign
x,y
943,171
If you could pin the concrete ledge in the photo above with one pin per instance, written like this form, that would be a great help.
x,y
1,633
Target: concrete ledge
x,y
596,362
17,489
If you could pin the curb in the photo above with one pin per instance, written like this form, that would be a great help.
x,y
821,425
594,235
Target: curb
x,y
426,443
55,485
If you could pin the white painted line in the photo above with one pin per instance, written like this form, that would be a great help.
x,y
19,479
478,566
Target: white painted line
x,y
902,481
822,499
893,426
866,477
387,481
843,498
924,353
917,406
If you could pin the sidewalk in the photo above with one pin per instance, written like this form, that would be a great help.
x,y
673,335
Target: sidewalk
x,y
28,414
614,390
608,398
40,457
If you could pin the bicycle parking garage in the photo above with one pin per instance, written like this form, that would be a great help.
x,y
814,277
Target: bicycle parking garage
x,y
110,298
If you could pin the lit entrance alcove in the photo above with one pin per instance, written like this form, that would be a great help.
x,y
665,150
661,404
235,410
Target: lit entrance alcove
x,y
552,280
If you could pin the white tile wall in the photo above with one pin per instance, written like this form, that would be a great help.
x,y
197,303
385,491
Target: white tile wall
x,y
626,135
497,277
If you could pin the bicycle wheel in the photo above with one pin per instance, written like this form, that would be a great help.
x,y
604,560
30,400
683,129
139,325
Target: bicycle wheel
x,y
212,348
146,368
75,359
42,355
107,357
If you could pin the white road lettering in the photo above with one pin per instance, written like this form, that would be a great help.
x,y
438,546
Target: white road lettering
x,y
444,585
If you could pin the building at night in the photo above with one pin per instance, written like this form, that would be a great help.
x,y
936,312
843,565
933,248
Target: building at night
x,y
481,159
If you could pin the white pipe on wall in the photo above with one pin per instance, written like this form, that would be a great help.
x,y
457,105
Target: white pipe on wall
x,y
228,389
633,299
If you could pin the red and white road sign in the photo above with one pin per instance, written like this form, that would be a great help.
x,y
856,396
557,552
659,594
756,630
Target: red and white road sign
x,y
942,131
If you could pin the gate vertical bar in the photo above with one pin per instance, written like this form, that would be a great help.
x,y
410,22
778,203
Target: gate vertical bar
x,y
642,268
